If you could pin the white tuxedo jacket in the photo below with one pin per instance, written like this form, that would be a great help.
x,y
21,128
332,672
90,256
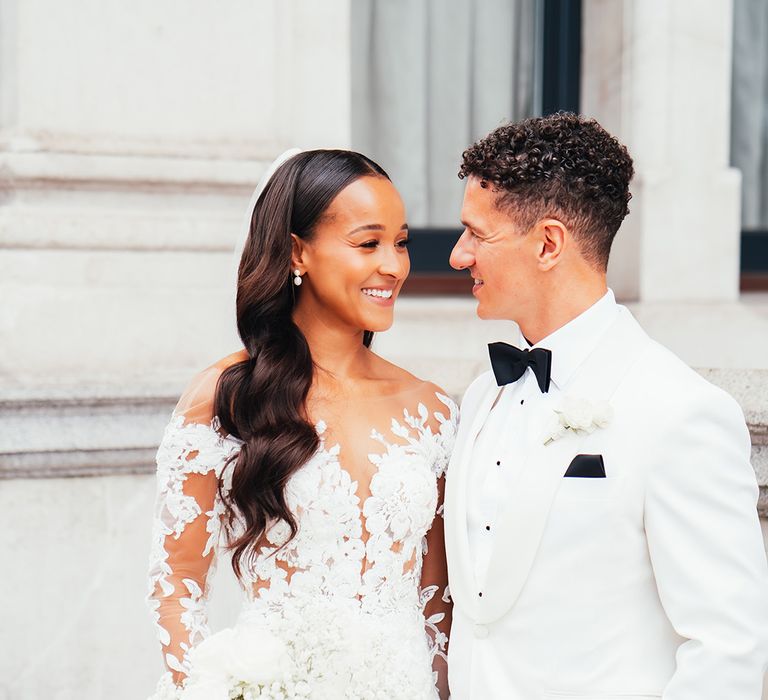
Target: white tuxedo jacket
x,y
649,583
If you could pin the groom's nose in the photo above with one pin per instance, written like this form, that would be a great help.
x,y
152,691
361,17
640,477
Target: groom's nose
x,y
461,255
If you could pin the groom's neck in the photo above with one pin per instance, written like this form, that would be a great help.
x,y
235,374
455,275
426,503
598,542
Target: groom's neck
x,y
558,304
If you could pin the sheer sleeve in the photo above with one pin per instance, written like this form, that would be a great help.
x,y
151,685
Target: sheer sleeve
x,y
187,522
435,596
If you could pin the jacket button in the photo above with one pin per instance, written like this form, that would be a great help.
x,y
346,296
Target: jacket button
x,y
481,631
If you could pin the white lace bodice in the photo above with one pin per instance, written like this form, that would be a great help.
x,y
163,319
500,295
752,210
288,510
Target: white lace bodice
x,y
360,572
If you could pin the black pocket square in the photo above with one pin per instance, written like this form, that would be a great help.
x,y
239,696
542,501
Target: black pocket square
x,y
587,467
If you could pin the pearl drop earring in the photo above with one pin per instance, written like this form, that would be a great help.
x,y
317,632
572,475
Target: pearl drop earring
x,y
297,277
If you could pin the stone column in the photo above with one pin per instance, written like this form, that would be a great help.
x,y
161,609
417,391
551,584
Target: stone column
x,y
657,74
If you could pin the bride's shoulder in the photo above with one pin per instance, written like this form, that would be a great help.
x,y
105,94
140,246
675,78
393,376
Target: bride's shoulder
x,y
197,402
434,397
429,410
420,391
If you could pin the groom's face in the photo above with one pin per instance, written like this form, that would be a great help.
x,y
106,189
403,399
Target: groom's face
x,y
500,258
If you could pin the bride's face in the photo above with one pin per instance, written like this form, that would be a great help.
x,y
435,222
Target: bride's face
x,y
355,263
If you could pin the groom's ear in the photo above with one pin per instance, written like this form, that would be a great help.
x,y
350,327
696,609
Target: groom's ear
x,y
551,237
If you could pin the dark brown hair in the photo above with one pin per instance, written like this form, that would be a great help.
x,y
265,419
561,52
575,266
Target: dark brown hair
x,y
261,401
561,166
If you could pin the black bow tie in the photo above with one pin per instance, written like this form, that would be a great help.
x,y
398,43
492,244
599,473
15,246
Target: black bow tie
x,y
509,364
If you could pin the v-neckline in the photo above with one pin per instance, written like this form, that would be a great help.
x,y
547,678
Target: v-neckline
x,y
333,453
330,455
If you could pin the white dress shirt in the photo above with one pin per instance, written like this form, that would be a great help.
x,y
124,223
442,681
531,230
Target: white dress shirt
x,y
493,476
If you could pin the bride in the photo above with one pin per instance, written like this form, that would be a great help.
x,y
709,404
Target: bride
x,y
318,464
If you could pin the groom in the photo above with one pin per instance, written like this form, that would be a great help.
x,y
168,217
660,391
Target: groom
x,y
601,529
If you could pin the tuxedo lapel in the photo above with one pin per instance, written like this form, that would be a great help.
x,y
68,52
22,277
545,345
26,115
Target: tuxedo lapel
x,y
526,511
461,570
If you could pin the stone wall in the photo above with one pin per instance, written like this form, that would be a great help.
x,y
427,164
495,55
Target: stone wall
x,y
126,165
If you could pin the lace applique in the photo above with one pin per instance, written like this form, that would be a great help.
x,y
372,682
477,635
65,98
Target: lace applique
x,y
186,449
438,646
435,448
354,567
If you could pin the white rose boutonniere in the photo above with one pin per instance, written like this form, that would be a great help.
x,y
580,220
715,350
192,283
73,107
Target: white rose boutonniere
x,y
578,416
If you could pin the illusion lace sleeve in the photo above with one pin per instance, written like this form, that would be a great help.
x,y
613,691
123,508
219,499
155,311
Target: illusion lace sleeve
x,y
186,528
435,596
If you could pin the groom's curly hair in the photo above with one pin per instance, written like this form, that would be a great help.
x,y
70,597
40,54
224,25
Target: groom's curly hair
x,y
561,166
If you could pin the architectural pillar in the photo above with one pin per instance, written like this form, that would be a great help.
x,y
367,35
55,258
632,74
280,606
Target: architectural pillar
x,y
657,74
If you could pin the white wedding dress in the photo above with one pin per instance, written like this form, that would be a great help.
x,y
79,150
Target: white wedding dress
x,y
359,596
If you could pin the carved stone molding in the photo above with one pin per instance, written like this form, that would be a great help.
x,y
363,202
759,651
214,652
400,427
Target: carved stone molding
x,y
61,201
81,436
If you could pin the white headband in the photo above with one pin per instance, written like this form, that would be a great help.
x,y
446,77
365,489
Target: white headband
x,y
246,226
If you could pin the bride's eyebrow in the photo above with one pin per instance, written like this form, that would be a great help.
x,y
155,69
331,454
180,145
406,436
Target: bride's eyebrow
x,y
367,227
374,227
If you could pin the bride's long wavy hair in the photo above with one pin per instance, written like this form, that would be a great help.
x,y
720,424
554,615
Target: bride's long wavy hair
x,y
261,400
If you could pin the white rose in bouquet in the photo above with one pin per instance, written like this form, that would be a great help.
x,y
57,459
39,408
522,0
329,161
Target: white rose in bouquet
x,y
166,689
247,658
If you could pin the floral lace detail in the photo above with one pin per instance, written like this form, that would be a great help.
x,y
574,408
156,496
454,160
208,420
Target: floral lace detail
x,y
438,638
346,590
185,449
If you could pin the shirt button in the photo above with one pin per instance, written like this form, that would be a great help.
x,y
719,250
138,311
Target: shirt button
x,y
480,594
498,464
481,631
522,401
488,527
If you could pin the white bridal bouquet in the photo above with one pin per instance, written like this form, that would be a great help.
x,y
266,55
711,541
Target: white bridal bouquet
x,y
313,648
246,662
